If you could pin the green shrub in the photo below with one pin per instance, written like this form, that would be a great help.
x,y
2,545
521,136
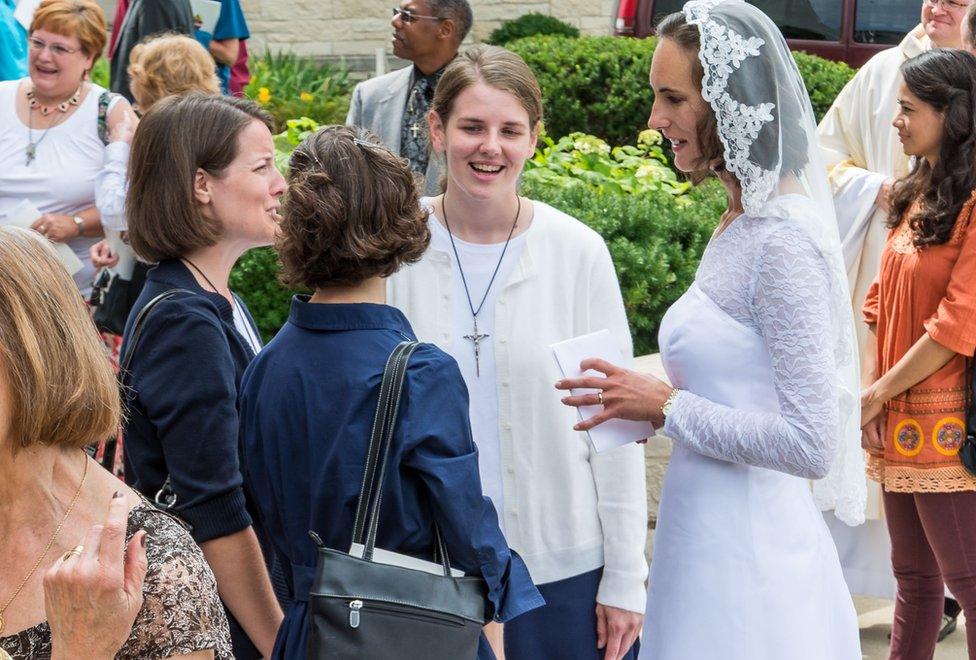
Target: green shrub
x,y
656,243
824,80
291,86
529,25
599,85
628,170
255,279
100,73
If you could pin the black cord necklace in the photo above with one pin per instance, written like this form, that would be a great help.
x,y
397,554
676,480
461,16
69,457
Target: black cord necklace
x,y
475,337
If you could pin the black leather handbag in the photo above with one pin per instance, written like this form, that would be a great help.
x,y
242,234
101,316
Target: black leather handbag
x,y
112,298
359,608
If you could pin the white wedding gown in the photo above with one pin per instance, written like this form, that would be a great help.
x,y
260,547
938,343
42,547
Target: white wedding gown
x,y
743,566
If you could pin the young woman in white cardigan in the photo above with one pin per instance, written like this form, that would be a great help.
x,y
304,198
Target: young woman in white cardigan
x,y
504,278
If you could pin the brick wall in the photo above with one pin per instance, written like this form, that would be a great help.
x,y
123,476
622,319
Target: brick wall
x,y
334,29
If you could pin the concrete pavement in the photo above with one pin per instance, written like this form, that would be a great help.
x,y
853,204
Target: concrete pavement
x,y
874,618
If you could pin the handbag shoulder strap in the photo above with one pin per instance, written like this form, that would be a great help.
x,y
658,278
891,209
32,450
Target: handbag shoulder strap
x,y
384,424
135,332
104,100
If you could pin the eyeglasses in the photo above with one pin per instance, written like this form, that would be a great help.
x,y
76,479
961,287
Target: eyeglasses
x,y
56,49
408,16
948,5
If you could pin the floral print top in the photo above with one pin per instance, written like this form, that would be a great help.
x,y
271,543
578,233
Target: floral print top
x,y
181,612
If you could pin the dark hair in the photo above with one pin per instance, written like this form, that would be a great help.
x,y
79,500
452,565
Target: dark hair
x,y
178,136
458,11
945,79
352,211
792,138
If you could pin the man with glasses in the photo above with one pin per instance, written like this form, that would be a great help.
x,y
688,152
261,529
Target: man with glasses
x,y
428,33
863,158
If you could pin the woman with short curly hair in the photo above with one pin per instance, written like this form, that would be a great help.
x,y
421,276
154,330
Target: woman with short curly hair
x,y
351,219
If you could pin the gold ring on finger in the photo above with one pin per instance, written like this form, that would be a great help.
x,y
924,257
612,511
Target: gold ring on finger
x,y
74,552
599,397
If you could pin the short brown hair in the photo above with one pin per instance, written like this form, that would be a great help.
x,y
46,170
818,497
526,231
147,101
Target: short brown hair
x,y
62,389
351,212
170,64
496,67
178,136
81,19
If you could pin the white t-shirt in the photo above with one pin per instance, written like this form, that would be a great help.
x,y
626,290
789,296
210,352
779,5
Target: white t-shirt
x,y
479,261
244,329
61,179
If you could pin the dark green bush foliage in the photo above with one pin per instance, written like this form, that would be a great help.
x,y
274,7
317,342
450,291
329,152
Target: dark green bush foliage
x,y
824,80
255,279
599,85
655,243
529,25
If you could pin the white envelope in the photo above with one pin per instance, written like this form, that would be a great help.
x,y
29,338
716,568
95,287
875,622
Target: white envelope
x,y
390,558
127,258
600,344
23,215
207,11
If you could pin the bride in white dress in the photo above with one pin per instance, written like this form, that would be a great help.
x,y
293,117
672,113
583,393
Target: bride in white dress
x,y
761,353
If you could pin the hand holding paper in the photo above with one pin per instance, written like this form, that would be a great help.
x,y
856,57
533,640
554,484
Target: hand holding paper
x,y
606,427
23,215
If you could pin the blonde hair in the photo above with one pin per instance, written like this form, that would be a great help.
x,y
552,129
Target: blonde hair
x,y
82,19
62,389
496,67
170,64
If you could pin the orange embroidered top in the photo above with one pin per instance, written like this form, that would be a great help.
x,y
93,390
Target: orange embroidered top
x,y
931,290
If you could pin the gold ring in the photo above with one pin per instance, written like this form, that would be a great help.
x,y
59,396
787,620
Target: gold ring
x,y
74,552
599,396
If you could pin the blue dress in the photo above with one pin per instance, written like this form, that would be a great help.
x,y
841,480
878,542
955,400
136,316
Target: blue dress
x,y
13,43
307,405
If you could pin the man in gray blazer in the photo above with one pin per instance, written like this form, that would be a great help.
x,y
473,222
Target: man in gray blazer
x,y
395,105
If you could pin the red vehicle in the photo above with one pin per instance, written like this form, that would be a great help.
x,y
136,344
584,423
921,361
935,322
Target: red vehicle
x,y
844,30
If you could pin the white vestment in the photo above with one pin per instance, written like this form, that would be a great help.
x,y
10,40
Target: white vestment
x,y
861,150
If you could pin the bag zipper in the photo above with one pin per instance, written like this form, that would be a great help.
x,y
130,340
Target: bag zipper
x,y
355,606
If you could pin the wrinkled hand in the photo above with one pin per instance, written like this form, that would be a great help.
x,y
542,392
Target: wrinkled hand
x,y
616,630
626,394
873,434
122,127
102,256
92,600
56,227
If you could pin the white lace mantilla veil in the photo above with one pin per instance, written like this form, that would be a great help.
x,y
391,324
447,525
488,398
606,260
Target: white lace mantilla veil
x,y
766,124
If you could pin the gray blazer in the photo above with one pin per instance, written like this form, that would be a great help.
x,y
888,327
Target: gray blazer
x,y
378,104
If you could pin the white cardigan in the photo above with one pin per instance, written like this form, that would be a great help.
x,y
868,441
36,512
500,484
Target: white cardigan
x,y
568,509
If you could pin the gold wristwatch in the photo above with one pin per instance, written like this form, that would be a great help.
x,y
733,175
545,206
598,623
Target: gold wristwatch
x,y
669,402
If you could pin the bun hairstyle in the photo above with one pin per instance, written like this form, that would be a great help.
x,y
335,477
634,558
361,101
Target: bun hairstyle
x,y
945,79
352,211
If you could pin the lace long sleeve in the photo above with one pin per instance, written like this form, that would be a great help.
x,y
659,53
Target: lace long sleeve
x,y
790,309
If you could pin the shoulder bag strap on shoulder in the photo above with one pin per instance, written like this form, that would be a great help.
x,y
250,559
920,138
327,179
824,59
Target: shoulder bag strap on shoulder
x,y
135,332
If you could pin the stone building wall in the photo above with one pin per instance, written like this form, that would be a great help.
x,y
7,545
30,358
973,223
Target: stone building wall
x,y
333,29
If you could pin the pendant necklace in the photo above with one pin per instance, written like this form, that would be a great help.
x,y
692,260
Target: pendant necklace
x,y
475,337
32,104
47,548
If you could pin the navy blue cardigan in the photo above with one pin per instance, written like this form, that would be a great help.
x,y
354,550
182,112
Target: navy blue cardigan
x,y
182,403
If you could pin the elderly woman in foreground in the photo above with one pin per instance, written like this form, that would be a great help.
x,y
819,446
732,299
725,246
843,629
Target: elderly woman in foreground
x,y
65,523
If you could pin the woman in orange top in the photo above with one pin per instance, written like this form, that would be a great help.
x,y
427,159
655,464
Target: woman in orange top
x,y
922,309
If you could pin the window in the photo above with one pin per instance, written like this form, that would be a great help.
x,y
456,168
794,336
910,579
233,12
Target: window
x,y
885,21
818,20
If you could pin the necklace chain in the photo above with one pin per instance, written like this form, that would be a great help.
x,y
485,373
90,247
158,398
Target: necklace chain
x,y
47,548
464,281
202,274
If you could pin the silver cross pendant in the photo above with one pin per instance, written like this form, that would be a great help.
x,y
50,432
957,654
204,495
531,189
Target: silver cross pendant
x,y
476,339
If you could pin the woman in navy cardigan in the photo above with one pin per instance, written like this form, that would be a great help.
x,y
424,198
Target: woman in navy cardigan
x,y
203,189
307,402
